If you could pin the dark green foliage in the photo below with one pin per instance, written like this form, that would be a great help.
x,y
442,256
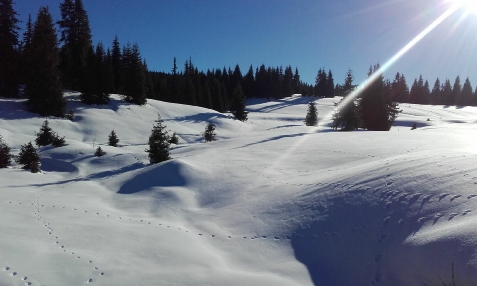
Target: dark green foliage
x,y
98,77
9,56
466,97
113,139
134,75
28,157
70,115
346,116
414,126
174,139
237,105
43,88
376,110
320,89
24,52
399,89
76,39
58,141
35,167
209,133
311,118
45,136
330,85
158,143
5,156
99,152
436,93
116,63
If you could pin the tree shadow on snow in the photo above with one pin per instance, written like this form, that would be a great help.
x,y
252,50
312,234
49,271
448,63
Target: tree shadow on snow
x,y
282,103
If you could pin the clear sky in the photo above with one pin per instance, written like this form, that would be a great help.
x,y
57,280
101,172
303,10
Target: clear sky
x,y
308,34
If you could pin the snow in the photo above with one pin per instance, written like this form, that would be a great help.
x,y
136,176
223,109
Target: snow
x,y
271,202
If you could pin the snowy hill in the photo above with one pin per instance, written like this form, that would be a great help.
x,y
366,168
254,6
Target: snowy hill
x,y
271,202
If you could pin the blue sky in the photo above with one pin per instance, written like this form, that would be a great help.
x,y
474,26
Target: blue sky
x,y
308,34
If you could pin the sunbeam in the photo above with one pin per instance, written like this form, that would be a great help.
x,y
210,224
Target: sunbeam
x,y
373,77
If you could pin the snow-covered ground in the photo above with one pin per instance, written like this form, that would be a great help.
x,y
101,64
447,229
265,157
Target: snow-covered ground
x,y
271,202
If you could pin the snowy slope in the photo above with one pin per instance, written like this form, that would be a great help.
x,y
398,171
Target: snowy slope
x,y
271,202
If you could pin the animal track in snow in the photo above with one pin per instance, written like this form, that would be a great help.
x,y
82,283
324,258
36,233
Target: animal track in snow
x,y
452,215
471,196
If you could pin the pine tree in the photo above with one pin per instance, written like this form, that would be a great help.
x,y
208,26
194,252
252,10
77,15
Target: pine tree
x,y
45,136
174,139
456,91
158,143
436,93
134,75
446,93
237,105
28,157
116,62
311,118
330,85
209,133
99,152
76,36
43,89
346,116
320,83
113,139
5,156
9,56
376,110
296,82
467,93
58,141
25,50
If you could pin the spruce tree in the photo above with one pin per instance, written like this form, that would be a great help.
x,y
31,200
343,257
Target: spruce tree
x,y
158,143
99,152
43,89
436,93
113,139
76,38
466,94
45,136
134,75
209,133
377,111
25,50
330,85
174,139
58,141
28,157
5,156
311,118
296,82
117,68
9,56
237,105
346,116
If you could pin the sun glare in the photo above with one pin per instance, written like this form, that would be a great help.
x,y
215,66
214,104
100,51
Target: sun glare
x,y
469,5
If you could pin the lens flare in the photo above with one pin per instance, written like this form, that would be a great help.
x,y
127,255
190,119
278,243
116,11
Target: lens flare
x,y
380,71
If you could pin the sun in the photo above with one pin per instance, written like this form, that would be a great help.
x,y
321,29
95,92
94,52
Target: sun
x,y
469,5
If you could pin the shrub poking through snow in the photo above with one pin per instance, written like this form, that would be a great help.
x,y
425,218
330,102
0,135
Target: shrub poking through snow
x,y
5,156
45,136
414,126
113,139
158,143
58,141
70,115
28,157
174,139
99,152
209,133
311,118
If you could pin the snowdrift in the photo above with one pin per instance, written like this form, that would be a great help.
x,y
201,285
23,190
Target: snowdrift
x,y
271,202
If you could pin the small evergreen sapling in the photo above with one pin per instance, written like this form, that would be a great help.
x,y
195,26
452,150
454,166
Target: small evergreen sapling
x,y
311,118
58,141
5,156
70,115
209,133
113,139
45,136
99,152
158,143
29,158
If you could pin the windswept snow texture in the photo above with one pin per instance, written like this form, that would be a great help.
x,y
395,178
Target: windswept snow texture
x,y
271,202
